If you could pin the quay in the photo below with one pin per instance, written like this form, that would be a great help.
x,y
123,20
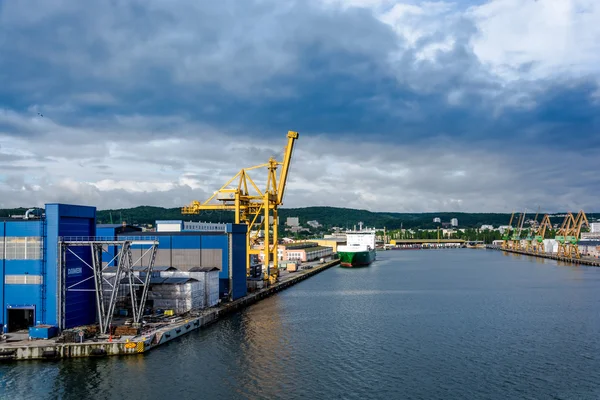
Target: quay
x,y
49,349
594,262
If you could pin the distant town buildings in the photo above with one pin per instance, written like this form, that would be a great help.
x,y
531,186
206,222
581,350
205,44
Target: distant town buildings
x,y
292,221
595,227
437,220
487,227
503,228
454,222
314,224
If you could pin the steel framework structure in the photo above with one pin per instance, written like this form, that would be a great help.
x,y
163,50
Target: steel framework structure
x,y
125,270
540,234
249,203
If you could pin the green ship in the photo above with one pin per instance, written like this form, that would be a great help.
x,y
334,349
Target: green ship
x,y
359,250
357,258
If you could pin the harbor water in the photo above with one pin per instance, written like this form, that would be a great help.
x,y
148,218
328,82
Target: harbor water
x,y
416,324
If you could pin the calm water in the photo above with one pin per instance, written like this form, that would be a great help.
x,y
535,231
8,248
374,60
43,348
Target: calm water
x,y
449,324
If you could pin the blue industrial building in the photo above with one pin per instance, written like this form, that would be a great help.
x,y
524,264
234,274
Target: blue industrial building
x,y
185,250
36,288
31,276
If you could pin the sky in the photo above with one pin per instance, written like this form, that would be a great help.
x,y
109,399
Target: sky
x,y
401,106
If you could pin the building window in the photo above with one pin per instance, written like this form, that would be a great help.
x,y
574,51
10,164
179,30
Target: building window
x,y
22,248
23,279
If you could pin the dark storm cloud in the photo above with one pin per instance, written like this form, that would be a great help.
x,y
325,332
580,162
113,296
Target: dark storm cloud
x,y
262,67
115,80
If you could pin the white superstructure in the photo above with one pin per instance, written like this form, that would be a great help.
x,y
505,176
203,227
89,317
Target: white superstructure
x,y
362,240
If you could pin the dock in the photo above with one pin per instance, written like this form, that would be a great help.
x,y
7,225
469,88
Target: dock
x,y
49,349
593,262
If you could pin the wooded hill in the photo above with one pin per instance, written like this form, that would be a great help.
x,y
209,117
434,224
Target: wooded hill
x,y
326,216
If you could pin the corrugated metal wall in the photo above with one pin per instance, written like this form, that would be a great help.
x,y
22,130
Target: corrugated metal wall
x,y
185,251
2,302
69,220
238,259
22,257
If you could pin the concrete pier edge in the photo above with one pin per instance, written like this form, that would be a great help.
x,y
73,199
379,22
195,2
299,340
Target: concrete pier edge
x,y
594,262
47,350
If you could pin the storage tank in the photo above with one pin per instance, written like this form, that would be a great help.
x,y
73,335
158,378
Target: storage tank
x,y
550,246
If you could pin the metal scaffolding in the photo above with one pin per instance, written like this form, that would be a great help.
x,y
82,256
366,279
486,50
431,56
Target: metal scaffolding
x,y
124,263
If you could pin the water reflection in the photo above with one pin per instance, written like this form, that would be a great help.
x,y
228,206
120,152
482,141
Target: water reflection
x,y
456,324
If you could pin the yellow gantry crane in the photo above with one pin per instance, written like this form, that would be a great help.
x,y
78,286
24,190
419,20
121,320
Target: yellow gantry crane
x,y
540,232
249,207
516,237
572,237
506,235
563,232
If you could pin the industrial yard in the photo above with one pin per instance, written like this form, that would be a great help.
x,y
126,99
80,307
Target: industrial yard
x,y
75,288
72,287
85,341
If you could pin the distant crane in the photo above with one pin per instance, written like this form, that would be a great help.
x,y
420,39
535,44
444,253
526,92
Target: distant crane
x,y
506,235
572,237
540,232
516,237
563,231
248,207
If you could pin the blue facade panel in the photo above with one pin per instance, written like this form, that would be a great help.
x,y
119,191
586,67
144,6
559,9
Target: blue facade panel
x,y
24,228
21,295
238,260
70,221
219,242
24,296
185,242
2,302
21,267
106,232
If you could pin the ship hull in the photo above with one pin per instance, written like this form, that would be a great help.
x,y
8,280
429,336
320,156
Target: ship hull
x,y
356,259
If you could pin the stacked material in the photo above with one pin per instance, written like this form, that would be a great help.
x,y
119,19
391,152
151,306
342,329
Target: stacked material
x,y
211,288
124,330
209,280
178,294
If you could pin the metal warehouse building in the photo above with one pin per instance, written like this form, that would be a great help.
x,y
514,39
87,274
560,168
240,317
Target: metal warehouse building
x,y
31,278
186,250
38,289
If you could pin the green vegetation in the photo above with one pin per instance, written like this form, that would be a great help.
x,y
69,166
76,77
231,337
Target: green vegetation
x,y
328,217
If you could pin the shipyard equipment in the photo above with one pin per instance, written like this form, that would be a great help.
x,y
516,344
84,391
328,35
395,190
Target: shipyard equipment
x,y
516,236
507,232
108,290
572,236
563,232
249,204
531,233
540,232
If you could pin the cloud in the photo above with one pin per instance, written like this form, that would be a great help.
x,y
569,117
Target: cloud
x,y
401,105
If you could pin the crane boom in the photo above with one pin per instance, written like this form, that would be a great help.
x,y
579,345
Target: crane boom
x,y
248,207
292,136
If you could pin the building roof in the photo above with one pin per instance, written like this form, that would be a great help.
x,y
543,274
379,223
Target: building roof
x,y
171,281
178,233
11,219
312,248
142,269
589,242
203,269
157,280
335,239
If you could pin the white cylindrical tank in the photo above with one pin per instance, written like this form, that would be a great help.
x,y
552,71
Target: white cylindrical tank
x,y
550,246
